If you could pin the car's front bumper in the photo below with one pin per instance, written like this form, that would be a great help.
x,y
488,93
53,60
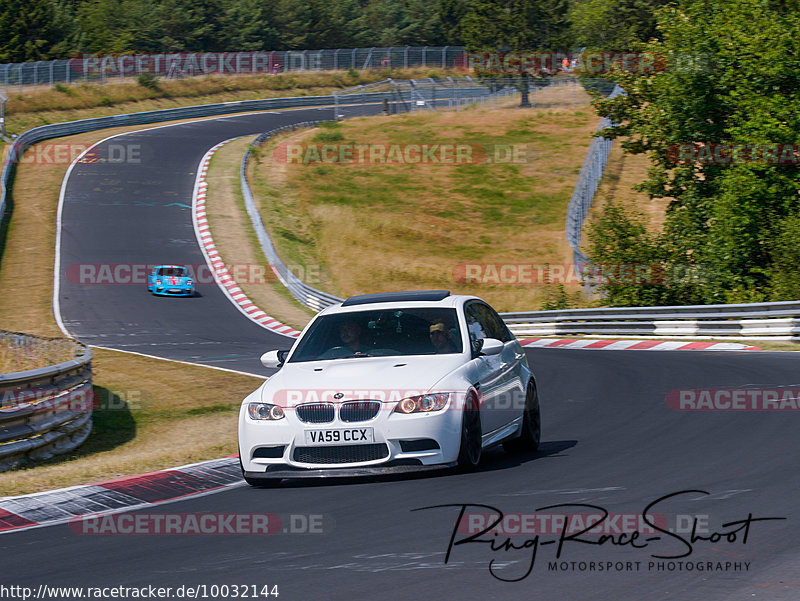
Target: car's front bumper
x,y
163,291
398,433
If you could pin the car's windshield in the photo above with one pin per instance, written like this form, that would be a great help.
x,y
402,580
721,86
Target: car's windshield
x,y
175,272
381,333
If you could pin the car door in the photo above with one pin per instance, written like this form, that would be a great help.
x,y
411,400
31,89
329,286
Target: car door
x,y
492,371
512,397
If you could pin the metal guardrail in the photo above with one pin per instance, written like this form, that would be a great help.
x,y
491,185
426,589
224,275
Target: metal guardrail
x,y
56,130
305,294
46,411
779,320
407,94
106,68
761,319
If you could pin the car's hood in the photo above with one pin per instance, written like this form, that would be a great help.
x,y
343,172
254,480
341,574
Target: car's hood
x,y
382,378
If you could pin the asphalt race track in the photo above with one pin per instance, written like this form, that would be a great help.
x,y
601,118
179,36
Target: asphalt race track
x,y
138,212
610,440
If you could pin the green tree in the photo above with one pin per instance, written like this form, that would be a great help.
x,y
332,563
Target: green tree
x,y
518,25
191,25
34,30
784,271
732,77
613,25
120,26
451,15
249,25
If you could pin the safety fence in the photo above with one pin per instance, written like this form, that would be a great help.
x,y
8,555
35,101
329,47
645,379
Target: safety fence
x,y
588,180
46,411
107,68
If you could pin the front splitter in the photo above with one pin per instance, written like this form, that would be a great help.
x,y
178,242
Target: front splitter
x,y
346,472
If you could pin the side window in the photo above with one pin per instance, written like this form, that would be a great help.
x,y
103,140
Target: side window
x,y
476,326
500,327
490,323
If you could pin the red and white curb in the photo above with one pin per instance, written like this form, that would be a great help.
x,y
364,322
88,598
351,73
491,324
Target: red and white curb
x,y
221,274
125,494
634,345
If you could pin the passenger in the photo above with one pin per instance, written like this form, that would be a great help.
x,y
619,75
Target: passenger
x,y
440,338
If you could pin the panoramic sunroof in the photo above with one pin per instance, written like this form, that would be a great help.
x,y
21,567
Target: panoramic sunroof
x,y
390,297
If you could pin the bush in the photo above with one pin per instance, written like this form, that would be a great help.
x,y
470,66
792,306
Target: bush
x,y
621,247
784,272
255,152
106,101
556,298
329,133
148,80
64,89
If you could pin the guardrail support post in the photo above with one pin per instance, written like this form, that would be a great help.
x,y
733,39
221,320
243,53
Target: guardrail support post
x,y
335,106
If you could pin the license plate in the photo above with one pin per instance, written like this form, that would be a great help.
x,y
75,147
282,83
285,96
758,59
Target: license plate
x,y
343,436
175,290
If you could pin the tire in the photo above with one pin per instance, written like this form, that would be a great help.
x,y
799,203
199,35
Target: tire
x,y
531,433
471,449
259,482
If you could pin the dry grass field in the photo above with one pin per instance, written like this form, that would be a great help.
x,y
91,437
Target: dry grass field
x,y
376,227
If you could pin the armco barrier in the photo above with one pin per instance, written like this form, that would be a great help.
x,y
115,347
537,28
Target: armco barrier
x,y
305,294
45,411
779,320
759,320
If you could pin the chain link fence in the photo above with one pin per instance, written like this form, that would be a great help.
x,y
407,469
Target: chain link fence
x,y
588,179
109,68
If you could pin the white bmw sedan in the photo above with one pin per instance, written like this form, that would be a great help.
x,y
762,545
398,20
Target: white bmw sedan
x,y
390,382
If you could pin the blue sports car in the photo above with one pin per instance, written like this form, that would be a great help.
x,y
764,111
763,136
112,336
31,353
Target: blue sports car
x,y
170,280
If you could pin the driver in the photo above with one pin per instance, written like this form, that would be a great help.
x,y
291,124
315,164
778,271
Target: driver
x,y
350,334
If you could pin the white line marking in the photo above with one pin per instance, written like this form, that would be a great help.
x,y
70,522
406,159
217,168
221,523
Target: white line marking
x,y
233,371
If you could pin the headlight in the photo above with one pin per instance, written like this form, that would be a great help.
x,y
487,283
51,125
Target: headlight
x,y
424,403
264,411
188,282
158,282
